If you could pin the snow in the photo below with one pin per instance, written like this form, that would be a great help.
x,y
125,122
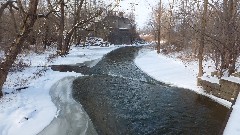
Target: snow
x,y
76,55
210,79
30,110
1,55
232,79
74,120
233,124
232,127
175,72
123,28
94,52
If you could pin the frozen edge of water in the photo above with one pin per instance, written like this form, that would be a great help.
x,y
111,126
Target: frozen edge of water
x,y
70,118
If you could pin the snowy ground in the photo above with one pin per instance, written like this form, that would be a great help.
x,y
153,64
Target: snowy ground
x,y
30,110
71,118
171,70
233,125
174,71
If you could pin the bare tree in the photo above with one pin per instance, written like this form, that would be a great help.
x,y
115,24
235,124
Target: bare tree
x,y
202,39
2,9
59,16
171,19
158,20
61,26
16,46
80,18
189,32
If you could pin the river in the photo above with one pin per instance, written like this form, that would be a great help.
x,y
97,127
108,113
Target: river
x,y
120,99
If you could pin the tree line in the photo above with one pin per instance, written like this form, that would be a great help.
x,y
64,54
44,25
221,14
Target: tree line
x,y
36,24
206,28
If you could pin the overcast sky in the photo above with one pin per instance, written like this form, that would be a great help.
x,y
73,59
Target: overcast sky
x,y
143,9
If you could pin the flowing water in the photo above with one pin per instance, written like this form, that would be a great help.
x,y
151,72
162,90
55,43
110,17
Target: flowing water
x,y
120,99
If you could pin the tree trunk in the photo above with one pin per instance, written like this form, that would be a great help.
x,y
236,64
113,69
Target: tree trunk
x,y
17,46
2,8
171,6
159,39
61,29
73,31
229,53
232,64
46,40
231,38
14,20
67,41
66,46
202,38
159,27
1,31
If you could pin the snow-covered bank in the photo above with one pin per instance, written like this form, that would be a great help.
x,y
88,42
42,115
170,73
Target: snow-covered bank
x,y
71,117
30,110
233,124
173,71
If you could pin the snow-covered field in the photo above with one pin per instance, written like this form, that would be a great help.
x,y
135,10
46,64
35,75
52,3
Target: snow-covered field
x,y
30,110
171,70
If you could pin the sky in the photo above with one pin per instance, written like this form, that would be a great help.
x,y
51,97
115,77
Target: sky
x,y
143,9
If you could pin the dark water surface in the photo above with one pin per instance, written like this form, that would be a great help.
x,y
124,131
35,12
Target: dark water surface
x,y
120,99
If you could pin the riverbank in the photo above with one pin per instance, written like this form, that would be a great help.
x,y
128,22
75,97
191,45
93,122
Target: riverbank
x,y
171,70
27,108
71,117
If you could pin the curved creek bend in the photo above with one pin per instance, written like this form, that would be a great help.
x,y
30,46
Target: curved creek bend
x,y
122,100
